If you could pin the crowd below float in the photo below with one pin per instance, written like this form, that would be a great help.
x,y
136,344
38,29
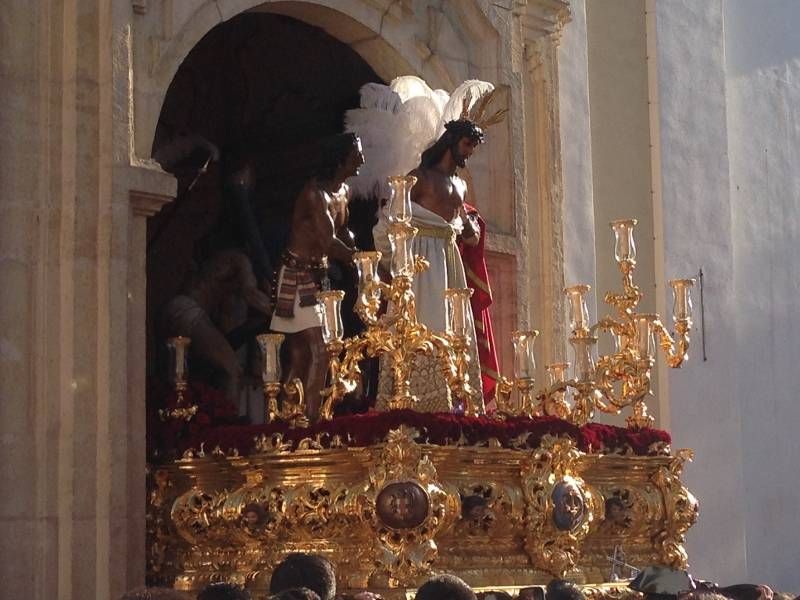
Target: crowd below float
x,y
313,577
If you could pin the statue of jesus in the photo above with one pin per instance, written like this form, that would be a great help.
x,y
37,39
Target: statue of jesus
x,y
439,213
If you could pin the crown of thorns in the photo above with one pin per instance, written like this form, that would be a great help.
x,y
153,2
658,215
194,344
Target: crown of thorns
x,y
463,128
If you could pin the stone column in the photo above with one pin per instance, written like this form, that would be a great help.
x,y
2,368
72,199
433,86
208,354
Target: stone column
x,y
71,434
540,26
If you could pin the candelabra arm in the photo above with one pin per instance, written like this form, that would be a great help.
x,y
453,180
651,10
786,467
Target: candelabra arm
x,y
676,349
421,264
610,368
368,302
453,356
585,399
181,411
608,324
344,370
502,397
294,405
551,401
271,391
527,397
631,294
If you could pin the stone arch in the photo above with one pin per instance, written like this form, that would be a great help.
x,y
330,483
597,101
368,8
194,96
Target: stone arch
x,y
518,177
379,36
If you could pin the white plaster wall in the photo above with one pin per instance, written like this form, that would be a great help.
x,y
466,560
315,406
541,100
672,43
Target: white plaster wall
x,y
620,140
695,232
763,90
573,75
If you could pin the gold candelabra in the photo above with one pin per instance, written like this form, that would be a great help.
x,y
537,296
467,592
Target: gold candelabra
x,y
178,348
396,335
614,381
292,407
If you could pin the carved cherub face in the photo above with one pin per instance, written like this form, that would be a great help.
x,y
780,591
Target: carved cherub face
x,y
254,516
616,512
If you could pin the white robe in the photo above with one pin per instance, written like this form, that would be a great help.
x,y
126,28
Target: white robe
x,y
436,241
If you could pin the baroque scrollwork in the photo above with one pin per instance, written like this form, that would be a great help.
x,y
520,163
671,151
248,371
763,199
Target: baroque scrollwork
x,y
411,507
391,513
560,506
680,511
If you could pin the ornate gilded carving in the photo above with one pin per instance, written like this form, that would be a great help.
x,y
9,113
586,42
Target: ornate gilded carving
x,y
411,507
161,536
610,592
560,506
389,514
680,511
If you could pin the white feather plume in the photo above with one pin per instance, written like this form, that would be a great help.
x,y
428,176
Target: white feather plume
x,y
474,88
397,122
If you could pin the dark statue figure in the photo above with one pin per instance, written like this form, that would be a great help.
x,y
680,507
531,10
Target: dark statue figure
x,y
214,304
303,269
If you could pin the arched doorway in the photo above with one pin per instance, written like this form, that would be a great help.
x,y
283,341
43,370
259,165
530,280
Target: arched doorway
x,y
263,87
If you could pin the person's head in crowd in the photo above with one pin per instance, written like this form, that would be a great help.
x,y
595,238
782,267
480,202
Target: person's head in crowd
x,y
360,595
495,595
558,589
223,591
747,591
304,570
298,593
701,595
445,587
531,593
658,582
154,593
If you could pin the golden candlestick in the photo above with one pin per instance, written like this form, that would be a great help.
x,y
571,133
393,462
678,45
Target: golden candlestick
x,y
397,336
524,378
178,348
621,379
292,409
555,403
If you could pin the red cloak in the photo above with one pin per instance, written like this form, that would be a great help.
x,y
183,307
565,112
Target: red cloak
x,y
478,280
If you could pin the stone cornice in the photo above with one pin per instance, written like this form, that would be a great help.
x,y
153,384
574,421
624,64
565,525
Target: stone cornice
x,y
541,18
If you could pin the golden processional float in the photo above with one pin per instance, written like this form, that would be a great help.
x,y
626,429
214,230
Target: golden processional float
x,y
535,490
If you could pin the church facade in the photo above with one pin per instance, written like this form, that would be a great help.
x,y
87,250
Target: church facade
x,y
671,112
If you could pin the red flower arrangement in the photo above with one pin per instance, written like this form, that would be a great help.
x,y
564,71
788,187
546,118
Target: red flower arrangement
x,y
439,429
166,437
216,424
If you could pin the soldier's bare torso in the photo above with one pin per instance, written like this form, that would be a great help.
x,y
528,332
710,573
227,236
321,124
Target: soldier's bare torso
x,y
312,224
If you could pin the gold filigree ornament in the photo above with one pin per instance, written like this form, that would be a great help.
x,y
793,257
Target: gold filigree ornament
x,y
560,506
160,530
613,382
680,510
410,507
397,336
292,408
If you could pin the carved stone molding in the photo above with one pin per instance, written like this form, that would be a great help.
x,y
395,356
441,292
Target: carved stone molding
x,y
139,7
148,187
541,18
144,204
